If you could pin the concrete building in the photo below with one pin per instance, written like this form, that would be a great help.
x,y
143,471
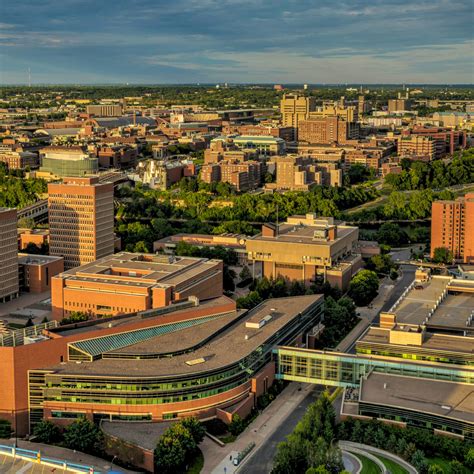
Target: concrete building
x,y
8,254
62,161
305,248
105,110
300,173
398,105
36,271
81,220
452,227
294,109
130,282
162,174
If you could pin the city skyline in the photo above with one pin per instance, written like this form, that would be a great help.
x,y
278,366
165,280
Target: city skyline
x,y
242,42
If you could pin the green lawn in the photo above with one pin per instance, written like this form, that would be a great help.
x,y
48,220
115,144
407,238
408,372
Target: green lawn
x,y
444,464
197,465
392,466
368,466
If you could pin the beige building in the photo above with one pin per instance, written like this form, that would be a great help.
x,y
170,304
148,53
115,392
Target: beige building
x,y
8,254
81,220
305,247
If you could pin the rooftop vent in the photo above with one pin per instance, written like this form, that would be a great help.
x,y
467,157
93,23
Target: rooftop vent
x,y
201,360
257,325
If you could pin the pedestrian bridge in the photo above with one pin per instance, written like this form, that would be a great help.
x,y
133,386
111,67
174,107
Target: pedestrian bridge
x,y
338,369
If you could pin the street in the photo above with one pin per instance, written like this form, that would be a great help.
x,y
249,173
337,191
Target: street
x,y
262,460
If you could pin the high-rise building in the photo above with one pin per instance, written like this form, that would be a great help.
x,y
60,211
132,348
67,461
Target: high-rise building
x,y
81,220
327,130
8,254
294,109
452,227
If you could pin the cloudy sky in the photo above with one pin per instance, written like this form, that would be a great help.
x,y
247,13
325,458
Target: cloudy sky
x,y
189,41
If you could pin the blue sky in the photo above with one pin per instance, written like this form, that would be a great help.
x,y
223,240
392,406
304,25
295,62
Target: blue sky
x,y
275,41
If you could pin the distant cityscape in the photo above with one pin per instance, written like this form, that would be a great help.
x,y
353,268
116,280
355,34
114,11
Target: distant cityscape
x,y
237,278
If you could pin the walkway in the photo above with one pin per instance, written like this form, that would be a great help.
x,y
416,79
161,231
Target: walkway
x,y
259,431
366,450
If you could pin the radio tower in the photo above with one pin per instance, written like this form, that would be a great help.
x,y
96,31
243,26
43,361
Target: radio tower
x,y
29,77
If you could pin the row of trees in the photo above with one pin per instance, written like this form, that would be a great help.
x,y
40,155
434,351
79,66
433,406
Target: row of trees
x,y
412,444
312,447
436,174
413,205
82,435
204,206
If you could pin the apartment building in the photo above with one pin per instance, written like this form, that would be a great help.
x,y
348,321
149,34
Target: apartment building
x,y
421,147
8,254
327,130
452,227
244,175
81,220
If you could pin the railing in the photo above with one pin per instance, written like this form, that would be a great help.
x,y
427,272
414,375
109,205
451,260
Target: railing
x,y
35,456
17,337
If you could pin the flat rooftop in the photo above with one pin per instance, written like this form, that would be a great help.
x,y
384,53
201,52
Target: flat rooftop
x,y
304,234
442,398
31,259
432,341
140,270
452,312
221,350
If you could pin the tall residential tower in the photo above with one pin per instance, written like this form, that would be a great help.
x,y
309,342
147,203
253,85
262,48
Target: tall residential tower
x,y
81,220
8,254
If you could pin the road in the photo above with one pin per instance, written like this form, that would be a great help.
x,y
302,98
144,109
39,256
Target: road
x,y
262,460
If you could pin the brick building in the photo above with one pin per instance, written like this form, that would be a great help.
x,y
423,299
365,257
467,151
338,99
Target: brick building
x,y
244,175
129,282
16,160
421,147
36,271
81,220
452,227
327,130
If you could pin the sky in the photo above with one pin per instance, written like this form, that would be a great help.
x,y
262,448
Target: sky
x,y
247,41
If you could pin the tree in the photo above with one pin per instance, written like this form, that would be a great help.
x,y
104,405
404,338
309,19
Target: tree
x,y
195,427
169,454
75,317
363,287
435,469
442,255
250,301
469,458
47,432
419,462
455,467
26,223
5,429
83,435
245,273
391,234
237,425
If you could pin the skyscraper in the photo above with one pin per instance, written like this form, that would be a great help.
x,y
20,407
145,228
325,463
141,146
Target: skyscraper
x,y
8,254
81,220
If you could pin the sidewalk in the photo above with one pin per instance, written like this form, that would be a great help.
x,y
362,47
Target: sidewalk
x,y
217,459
